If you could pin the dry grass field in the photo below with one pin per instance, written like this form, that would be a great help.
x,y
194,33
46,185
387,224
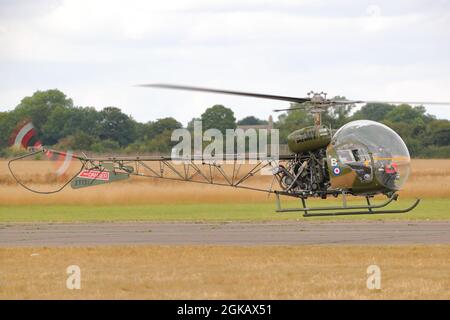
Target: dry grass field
x,y
428,179
212,272
215,272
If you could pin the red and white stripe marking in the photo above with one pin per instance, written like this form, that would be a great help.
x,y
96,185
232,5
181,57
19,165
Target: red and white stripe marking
x,y
24,135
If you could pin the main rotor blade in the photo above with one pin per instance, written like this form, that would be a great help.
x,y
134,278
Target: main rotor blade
x,y
289,109
338,101
238,93
390,102
411,102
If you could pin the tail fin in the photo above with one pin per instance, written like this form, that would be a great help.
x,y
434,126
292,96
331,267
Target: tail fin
x,y
94,177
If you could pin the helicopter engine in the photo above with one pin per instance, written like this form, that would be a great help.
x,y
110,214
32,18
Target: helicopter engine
x,y
306,174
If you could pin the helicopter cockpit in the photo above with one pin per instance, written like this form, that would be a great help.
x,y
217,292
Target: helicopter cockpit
x,y
372,149
356,156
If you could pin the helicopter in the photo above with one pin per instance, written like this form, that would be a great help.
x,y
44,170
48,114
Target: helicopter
x,y
363,158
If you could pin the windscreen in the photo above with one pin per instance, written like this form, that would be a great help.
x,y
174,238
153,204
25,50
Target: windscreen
x,y
391,161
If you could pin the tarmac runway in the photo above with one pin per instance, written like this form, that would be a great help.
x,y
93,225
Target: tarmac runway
x,y
230,233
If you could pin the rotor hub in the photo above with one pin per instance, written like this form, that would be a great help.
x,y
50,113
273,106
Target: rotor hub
x,y
317,97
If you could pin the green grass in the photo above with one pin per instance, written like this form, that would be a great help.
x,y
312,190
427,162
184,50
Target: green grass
x,y
428,209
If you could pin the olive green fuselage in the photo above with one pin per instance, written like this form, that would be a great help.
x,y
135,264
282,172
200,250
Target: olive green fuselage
x,y
359,178
309,139
356,179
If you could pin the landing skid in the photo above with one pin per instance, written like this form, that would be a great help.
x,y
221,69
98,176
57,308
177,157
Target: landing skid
x,y
349,210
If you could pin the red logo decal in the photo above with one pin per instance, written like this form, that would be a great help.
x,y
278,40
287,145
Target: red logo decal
x,y
94,174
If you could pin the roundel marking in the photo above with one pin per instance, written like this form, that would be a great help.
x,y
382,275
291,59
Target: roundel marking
x,y
336,171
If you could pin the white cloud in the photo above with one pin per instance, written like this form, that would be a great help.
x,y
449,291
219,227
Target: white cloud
x,y
96,50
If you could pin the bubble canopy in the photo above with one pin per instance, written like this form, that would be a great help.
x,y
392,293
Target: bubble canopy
x,y
377,146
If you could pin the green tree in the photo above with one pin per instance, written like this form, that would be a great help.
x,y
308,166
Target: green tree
x,y
251,120
414,117
80,140
155,136
116,126
218,117
106,145
60,123
38,108
406,113
161,143
373,111
438,132
5,129
63,122
152,129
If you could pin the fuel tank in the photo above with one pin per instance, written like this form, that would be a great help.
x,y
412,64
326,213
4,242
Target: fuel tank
x,y
309,139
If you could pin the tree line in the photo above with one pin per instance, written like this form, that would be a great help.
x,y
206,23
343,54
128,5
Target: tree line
x,y
62,125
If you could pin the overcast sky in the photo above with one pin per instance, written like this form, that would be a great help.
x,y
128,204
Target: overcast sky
x,y
96,50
